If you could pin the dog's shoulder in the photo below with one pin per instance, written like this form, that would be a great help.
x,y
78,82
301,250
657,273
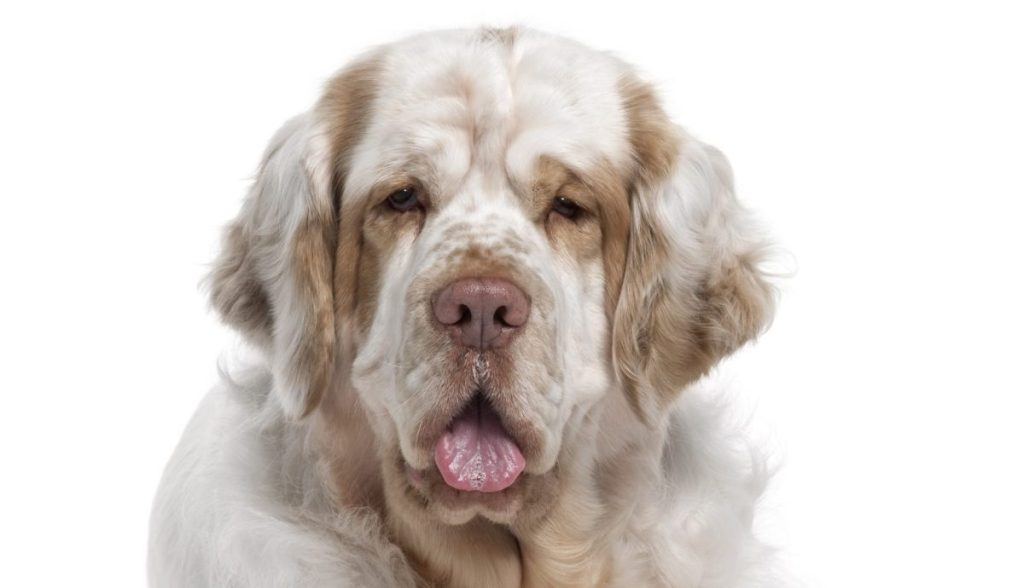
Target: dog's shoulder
x,y
234,508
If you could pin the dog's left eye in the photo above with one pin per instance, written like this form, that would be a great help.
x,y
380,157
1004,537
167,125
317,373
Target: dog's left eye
x,y
404,199
565,207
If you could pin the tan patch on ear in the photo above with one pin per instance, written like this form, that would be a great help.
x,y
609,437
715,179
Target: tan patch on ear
x,y
681,334
656,338
673,341
652,136
236,293
670,328
741,302
645,326
347,107
248,299
325,251
314,356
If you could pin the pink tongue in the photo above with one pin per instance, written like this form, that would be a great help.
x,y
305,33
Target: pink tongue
x,y
476,453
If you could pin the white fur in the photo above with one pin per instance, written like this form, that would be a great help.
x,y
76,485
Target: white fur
x,y
248,499
240,505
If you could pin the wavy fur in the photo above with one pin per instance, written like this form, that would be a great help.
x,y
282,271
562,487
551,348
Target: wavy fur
x,y
310,464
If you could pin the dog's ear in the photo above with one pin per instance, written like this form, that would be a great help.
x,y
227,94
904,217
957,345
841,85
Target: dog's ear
x,y
692,291
286,275
273,278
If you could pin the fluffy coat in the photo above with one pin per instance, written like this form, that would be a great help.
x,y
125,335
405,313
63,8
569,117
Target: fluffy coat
x,y
310,463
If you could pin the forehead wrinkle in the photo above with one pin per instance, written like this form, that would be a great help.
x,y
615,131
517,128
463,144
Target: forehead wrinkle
x,y
494,108
459,137
469,88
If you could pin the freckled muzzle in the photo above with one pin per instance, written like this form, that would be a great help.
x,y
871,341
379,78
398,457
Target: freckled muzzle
x,y
476,452
475,389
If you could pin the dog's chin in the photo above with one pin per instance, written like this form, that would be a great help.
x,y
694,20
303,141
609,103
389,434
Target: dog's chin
x,y
519,505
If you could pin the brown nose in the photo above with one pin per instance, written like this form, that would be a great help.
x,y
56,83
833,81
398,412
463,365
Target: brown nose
x,y
482,313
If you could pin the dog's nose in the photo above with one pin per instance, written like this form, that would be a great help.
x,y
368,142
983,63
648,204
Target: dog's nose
x,y
482,313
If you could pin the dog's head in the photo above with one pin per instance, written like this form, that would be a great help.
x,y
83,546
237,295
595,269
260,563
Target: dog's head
x,y
484,234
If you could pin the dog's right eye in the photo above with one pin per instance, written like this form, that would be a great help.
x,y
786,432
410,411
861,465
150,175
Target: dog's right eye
x,y
403,200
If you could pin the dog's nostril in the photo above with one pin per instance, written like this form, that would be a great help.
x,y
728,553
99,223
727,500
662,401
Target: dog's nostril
x,y
485,312
499,316
465,315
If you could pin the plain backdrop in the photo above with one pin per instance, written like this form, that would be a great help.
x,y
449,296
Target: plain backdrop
x,y
882,144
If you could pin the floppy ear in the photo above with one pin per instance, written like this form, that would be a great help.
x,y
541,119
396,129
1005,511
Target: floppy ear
x,y
273,278
692,290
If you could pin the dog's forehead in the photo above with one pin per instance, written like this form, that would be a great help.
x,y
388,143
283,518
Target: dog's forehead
x,y
448,104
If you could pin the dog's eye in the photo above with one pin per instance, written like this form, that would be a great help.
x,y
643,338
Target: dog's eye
x,y
565,207
404,199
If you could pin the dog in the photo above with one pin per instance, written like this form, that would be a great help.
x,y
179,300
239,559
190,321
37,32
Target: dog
x,y
480,282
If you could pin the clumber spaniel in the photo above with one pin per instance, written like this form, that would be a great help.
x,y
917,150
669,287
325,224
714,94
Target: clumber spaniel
x,y
480,278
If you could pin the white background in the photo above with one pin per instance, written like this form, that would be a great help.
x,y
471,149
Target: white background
x,y
882,143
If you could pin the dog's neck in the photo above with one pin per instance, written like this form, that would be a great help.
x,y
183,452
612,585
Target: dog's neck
x,y
570,546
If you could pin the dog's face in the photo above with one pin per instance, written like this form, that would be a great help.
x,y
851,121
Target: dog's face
x,y
489,202
484,234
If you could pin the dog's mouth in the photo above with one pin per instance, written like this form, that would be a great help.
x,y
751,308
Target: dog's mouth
x,y
476,452
480,464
